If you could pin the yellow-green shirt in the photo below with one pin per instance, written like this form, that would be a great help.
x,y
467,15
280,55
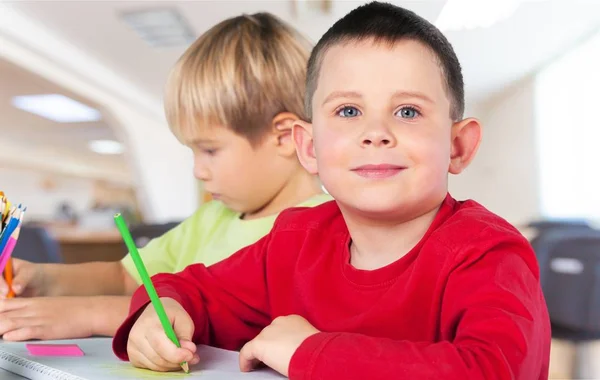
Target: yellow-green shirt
x,y
213,233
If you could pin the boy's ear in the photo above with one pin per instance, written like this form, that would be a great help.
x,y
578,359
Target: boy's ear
x,y
282,125
305,148
466,136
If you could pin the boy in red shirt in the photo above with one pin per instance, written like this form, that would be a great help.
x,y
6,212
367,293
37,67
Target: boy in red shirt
x,y
395,279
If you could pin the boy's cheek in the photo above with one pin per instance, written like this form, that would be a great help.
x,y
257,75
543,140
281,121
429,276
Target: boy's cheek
x,y
332,148
430,148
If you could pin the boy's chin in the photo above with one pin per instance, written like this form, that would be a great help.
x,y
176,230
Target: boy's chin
x,y
229,204
239,207
376,208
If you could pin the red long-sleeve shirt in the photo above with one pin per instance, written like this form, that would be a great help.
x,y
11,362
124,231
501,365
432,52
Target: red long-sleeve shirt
x,y
465,303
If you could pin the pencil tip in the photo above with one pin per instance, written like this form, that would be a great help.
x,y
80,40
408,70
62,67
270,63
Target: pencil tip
x,y
185,367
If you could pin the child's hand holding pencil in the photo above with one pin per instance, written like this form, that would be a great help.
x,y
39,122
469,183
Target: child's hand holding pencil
x,y
148,345
152,347
27,279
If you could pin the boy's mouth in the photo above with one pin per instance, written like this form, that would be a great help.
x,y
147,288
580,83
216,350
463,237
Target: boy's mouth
x,y
378,171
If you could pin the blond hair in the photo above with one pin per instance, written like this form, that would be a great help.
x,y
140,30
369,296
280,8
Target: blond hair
x,y
239,74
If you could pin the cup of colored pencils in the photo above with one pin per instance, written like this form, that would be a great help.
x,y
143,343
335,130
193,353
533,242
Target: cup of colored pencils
x,y
11,220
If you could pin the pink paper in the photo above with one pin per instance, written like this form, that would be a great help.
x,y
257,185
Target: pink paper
x,y
54,349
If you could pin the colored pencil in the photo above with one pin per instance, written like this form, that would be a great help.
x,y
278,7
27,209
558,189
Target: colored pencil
x,y
8,274
141,268
6,261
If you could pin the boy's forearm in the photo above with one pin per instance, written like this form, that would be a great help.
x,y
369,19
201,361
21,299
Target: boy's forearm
x,y
227,301
108,314
86,279
351,356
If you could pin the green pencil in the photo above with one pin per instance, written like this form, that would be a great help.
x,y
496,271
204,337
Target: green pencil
x,y
141,268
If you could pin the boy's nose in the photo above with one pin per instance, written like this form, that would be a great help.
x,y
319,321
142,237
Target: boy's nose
x,y
379,137
201,173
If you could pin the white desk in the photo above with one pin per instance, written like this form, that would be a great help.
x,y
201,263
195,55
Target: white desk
x,y
5,375
99,363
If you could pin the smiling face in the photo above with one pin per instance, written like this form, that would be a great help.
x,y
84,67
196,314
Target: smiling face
x,y
381,133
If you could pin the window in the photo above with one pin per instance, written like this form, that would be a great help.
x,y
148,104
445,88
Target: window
x,y
567,101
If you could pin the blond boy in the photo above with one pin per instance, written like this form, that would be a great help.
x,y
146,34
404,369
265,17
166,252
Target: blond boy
x,y
233,98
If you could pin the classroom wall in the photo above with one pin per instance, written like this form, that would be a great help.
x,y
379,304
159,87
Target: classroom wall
x,y
43,193
16,154
162,167
504,175
569,128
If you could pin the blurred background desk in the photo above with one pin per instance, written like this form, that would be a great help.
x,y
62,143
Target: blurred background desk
x,y
80,245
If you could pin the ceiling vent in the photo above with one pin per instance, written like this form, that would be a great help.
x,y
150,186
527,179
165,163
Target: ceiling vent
x,y
161,28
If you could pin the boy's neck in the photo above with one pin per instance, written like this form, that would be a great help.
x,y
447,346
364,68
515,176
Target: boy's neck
x,y
300,187
375,244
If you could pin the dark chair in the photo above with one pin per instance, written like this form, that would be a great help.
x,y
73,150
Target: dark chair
x,y
143,233
569,260
545,225
36,245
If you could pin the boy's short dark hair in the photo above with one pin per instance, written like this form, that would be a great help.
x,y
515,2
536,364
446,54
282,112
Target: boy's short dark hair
x,y
388,23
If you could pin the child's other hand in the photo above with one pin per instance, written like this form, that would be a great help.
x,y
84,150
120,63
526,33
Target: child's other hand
x,y
28,280
148,345
276,344
45,318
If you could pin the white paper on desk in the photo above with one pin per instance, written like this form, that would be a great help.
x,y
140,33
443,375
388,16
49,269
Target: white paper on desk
x,y
100,363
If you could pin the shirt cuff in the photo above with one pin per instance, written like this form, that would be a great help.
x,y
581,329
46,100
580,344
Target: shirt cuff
x,y
305,358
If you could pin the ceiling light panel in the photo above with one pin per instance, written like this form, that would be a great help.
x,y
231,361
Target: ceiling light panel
x,y
56,107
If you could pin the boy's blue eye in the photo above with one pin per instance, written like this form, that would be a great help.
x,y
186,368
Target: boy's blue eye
x,y
408,113
348,111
